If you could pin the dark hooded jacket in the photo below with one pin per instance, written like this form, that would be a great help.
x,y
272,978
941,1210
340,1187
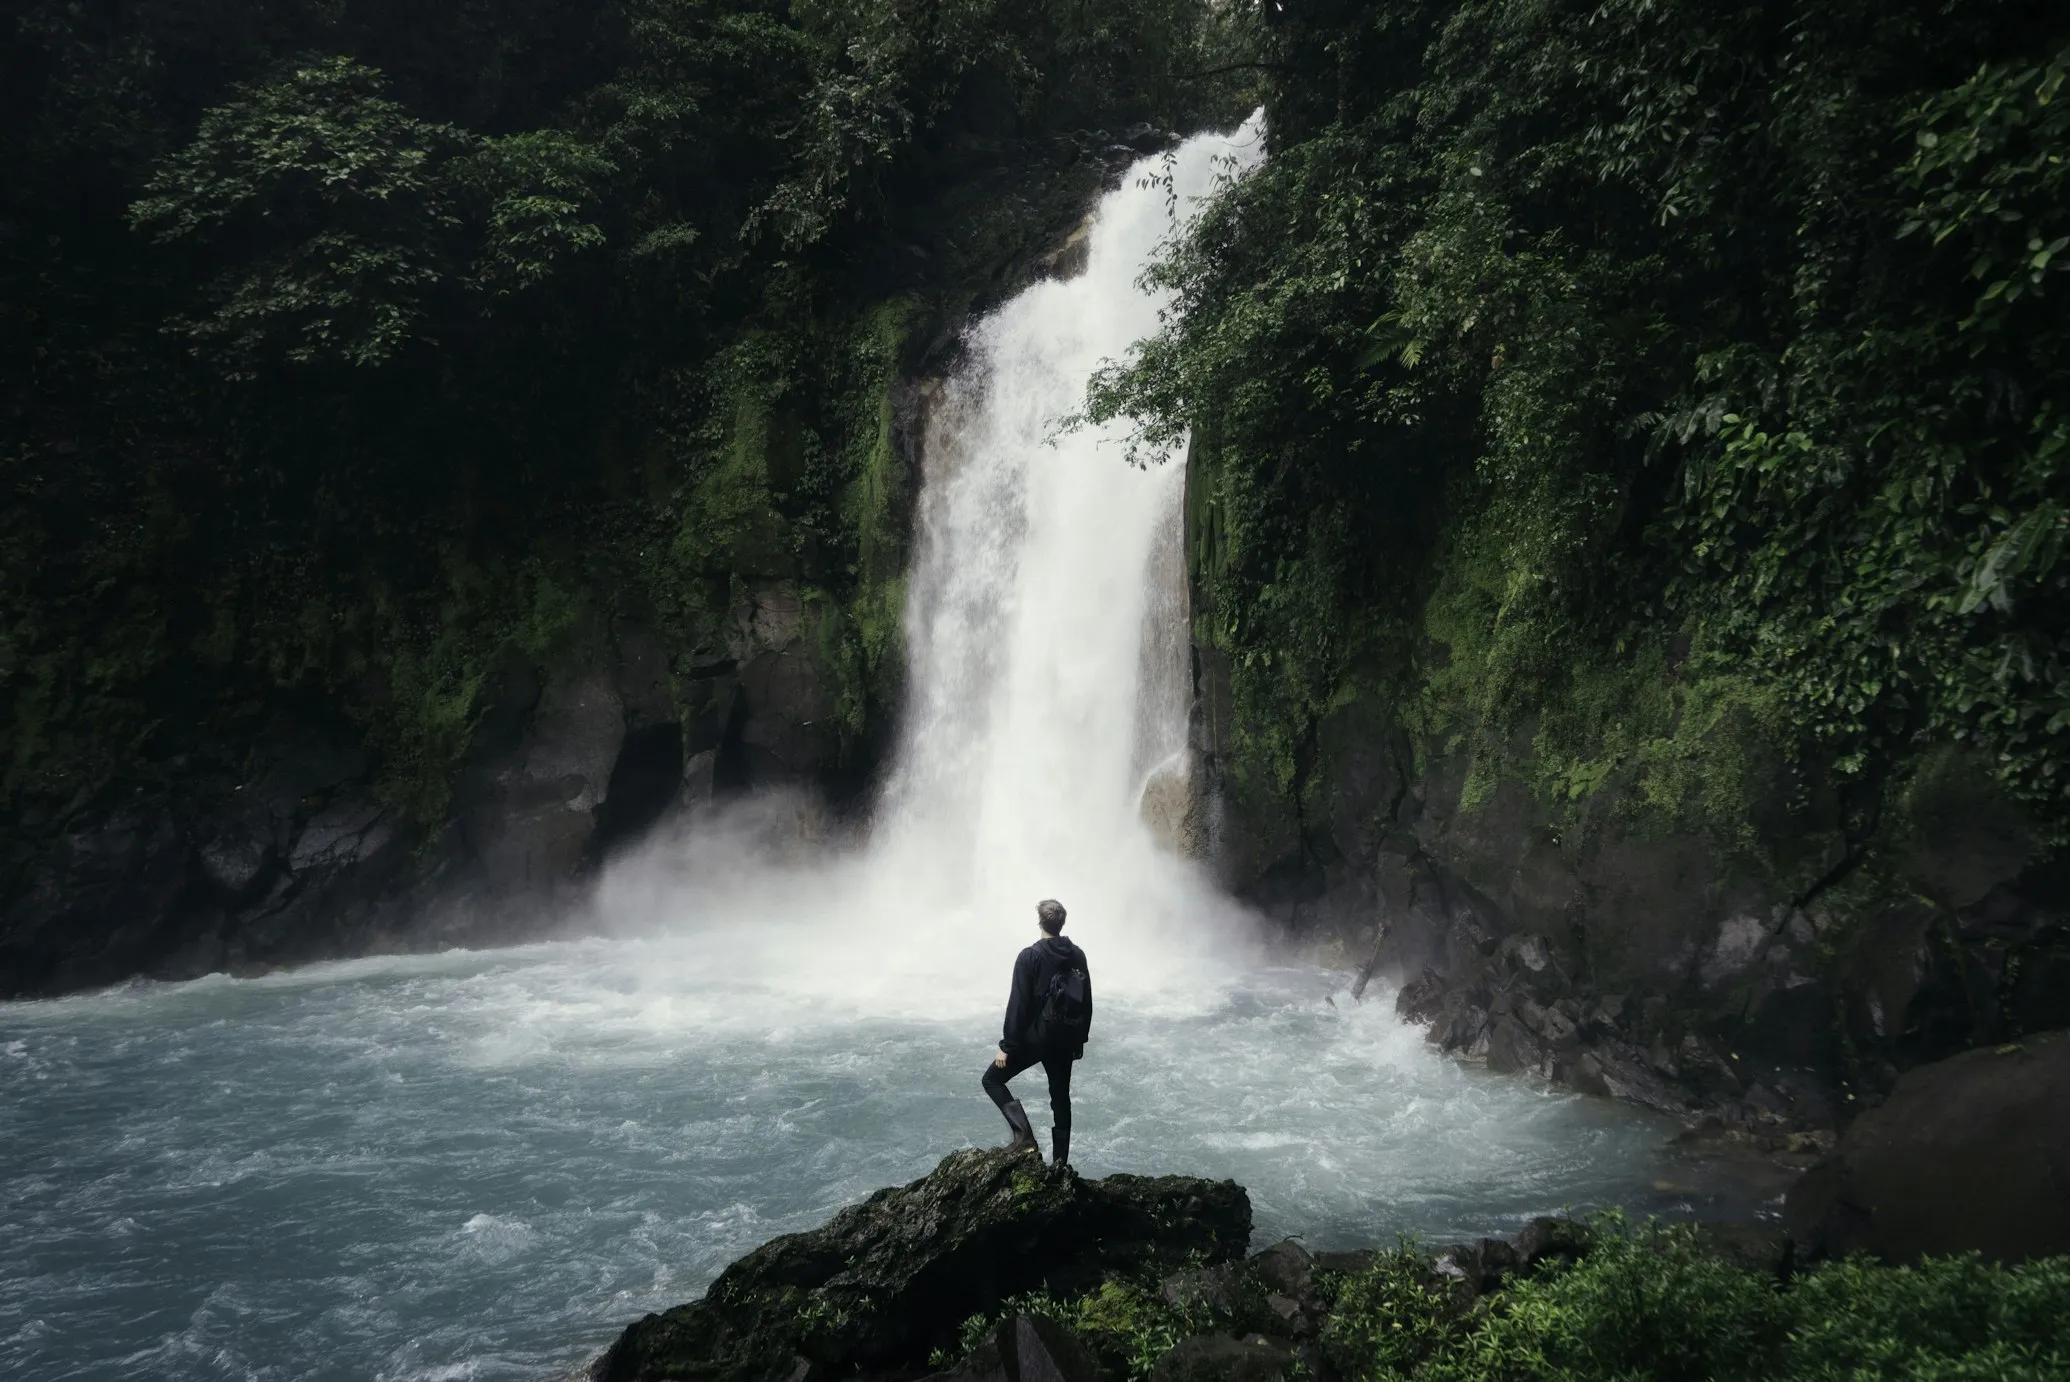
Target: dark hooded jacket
x,y
1032,971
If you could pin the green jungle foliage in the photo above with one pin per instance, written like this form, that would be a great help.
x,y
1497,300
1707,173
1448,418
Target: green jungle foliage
x,y
1128,1325
1646,1302
1667,385
1651,1303
346,347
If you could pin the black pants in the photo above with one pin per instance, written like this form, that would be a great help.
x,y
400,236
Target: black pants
x,y
1058,1068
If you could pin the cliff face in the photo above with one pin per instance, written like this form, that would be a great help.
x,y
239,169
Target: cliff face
x,y
1775,980
1627,517
574,746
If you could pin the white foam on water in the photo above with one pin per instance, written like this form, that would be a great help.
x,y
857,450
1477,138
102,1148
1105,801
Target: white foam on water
x,y
334,1180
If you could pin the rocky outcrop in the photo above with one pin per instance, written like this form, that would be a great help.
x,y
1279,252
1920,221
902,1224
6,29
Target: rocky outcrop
x,y
1969,1153
886,1282
996,1268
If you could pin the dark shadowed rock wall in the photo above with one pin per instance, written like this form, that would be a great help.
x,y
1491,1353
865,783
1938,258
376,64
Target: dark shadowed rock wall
x,y
885,1282
572,754
1773,983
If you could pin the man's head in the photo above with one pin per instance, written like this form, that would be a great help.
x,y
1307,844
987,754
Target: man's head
x,y
1049,915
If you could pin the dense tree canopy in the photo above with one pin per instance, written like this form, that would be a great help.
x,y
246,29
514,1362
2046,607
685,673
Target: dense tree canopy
x,y
347,343
1599,371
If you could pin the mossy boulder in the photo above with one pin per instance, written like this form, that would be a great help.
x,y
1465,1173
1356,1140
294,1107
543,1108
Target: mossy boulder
x,y
885,1282
1967,1154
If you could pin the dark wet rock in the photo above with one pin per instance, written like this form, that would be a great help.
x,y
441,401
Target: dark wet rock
x,y
1460,1264
343,835
296,853
700,777
95,908
779,727
1499,1256
1478,1268
646,780
1024,1348
1547,1239
1763,1248
1460,1026
1045,1351
237,857
1289,1317
1612,1068
1511,1048
785,732
1221,1358
1966,1154
1285,1267
1223,1290
888,1280
1735,948
1555,1024
1349,1263
1422,999
303,763
527,812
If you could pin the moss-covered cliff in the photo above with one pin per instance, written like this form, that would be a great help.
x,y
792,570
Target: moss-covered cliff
x,y
1627,509
434,442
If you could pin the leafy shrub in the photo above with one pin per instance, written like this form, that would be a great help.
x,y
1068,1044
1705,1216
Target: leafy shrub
x,y
1390,1318
1646,1302
1652,1303
1127,1324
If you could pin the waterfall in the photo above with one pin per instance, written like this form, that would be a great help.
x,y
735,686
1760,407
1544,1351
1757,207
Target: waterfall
x,y
1043,751
1047,620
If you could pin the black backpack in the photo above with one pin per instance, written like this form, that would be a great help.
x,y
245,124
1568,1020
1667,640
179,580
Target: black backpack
x,y
1066,1017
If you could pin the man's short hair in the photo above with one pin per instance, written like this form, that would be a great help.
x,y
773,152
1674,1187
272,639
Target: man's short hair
x,y
1050,916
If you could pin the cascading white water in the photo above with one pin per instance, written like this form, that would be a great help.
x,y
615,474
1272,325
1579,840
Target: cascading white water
x,y
1045,642
1046,632
483,1165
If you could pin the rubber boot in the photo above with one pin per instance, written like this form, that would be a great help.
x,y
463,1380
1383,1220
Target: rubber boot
x,y
1023,1131
1060,1143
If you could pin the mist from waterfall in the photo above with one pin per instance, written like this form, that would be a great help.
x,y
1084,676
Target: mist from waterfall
x,y
1048,686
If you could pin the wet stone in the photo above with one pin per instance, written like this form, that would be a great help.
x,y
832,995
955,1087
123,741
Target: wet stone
x,y
1547,1239
1220,1358
1211,1288
1286,1267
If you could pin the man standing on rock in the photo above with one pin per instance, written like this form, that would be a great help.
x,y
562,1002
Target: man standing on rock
x,y
1048,1015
